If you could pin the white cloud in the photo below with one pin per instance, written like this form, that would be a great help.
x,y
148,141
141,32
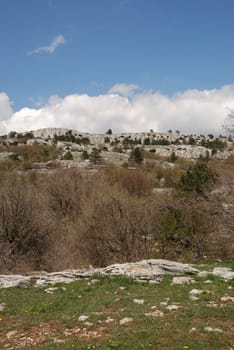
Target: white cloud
x,y
5,110
55,43
126,90
192,111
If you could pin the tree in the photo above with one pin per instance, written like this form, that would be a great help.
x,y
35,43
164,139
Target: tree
x,y
136,155
68,156
84,155
197,179
173,157
109,132
95,157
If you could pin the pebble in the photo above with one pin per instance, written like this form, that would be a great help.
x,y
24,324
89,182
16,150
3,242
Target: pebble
x,y
125,320
138,301
172,307
83,318
210,329
182,280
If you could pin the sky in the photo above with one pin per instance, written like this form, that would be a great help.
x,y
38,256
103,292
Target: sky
x,y
128,65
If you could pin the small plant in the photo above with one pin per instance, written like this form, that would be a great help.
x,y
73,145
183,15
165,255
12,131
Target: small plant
x,y
68,156
84,155
95,157
136,155
173,157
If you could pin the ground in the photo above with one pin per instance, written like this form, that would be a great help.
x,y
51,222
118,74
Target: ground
x,y
119,313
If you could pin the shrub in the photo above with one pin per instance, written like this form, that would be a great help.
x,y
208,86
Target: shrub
x,y
136,155
95,157
68,156
197,179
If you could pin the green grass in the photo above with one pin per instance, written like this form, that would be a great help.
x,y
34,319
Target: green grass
x,y
51,320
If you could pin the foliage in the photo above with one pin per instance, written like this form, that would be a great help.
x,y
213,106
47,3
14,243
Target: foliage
x,y
69,137
136,155
84,155
173,157
109,132
197,179
215,145
68,156
70,218
95,157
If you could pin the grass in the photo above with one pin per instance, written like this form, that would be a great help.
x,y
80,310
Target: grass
x,y
34,319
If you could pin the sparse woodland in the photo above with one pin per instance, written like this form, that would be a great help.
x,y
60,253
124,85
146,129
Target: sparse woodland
x,y
69,218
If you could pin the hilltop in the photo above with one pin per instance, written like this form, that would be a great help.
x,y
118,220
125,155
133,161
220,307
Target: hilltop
x,y
109,148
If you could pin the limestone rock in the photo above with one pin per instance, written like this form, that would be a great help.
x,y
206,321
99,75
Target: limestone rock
x,y
83,318
152,269
224,272
8,281
139,301
172,307
125,320
210,329
182,280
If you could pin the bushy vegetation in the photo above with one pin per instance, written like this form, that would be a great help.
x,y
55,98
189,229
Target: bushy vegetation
x,y
69,217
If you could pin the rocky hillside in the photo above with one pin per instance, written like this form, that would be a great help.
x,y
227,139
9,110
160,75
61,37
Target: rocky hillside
x,y
109,148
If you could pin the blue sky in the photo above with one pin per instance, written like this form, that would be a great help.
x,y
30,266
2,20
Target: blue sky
x,y
160,46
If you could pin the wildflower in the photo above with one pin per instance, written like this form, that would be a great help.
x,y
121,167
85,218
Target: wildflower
x,y
186,347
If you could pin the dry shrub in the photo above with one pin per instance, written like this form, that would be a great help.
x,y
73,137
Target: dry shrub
x,y
119,228
22,229
135,182
70,218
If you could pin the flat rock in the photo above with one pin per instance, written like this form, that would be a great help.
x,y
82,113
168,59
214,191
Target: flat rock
x,y
125,320
224,272
152,269
8,281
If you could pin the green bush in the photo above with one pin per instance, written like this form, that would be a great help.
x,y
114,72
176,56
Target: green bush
x,y
68,156
197,179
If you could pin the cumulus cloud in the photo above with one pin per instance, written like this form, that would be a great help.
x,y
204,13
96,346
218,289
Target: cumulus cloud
x,y
191,111
55,43
5,110
126,90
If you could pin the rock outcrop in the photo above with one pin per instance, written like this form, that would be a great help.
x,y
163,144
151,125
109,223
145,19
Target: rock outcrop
x,y
152,270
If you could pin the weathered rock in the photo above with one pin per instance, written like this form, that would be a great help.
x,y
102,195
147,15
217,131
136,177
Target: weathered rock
x,y
182,280
138,301
210,329
172,307
152,269
2,306
154,313
125,320
83,318
8,281
194,293
224,272
226,298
